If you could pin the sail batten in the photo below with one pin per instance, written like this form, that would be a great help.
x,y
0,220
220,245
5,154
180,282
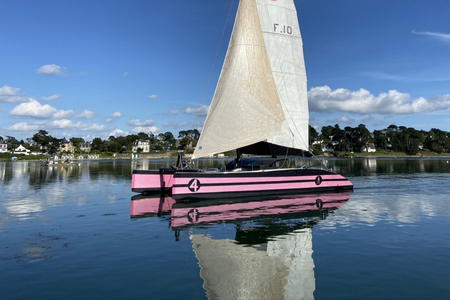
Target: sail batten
x,y
256,97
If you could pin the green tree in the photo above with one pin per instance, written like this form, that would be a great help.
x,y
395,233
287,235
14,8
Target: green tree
x,y
380,139
77,141
313,136
98,145
437,141
167,140
46,142
188,138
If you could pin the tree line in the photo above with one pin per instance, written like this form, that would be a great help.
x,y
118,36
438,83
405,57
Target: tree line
x,y
393,138
43,141
348,139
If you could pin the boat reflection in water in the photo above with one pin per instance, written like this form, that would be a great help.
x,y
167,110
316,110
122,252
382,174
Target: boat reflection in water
x,y
271,254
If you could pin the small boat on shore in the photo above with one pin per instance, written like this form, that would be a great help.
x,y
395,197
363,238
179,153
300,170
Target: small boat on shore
x,y
260,108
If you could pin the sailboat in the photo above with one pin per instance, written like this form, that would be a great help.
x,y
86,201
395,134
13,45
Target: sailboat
x,y
260,107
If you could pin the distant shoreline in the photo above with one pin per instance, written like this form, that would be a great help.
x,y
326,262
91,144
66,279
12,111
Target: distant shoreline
x,y
168,155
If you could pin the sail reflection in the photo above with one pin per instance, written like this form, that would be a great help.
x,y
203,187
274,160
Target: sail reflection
x,y
270,256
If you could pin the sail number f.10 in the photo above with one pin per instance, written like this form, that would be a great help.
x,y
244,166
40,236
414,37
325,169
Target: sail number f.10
x,y
280,28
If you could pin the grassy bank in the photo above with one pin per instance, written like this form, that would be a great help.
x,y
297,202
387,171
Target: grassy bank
x,y
8,157
173,154
422,154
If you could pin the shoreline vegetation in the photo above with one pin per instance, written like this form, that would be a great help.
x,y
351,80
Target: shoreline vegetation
x,y
332,141
173,155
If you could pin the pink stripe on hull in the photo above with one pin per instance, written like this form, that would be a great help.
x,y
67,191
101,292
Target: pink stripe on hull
x,y
151,181
237,180
259,187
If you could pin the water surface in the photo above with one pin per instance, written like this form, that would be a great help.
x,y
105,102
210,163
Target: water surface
x,y
73,232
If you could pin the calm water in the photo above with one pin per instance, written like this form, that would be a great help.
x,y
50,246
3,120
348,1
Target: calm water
x,y
75,233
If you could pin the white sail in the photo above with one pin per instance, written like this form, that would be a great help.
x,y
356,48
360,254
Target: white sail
x,y
246,108
282,36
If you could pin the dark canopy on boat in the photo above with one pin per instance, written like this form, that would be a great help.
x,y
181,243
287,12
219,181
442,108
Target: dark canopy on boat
x,y
265,148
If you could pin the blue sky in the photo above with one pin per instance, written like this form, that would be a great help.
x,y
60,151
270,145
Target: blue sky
x,y
92,68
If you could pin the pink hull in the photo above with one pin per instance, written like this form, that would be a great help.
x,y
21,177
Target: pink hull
x,y
259,187
202,186
151,181
185,184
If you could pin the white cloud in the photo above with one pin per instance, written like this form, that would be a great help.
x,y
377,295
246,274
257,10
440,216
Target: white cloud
x,y
197,111
345,119
118,132
141,123
174,111
444,37
52,70
11,94
113,116
86,114
33,109
324,99
385,76
94,127
125,74
62,114
69,124
8,91
394,77
23,126
145,129
153,97
177,124
64,123
51,97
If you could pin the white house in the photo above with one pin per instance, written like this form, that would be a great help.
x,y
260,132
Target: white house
x,y
142,146
22,150
67,147
3,147
327,148
86,147
369,148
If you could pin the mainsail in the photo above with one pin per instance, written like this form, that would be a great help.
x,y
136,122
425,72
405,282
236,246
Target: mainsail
x,y
261,92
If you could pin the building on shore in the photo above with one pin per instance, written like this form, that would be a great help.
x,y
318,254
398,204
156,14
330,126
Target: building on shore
x,y
22,150
3,146
328,148
141,146
369,148
86,147
67,147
